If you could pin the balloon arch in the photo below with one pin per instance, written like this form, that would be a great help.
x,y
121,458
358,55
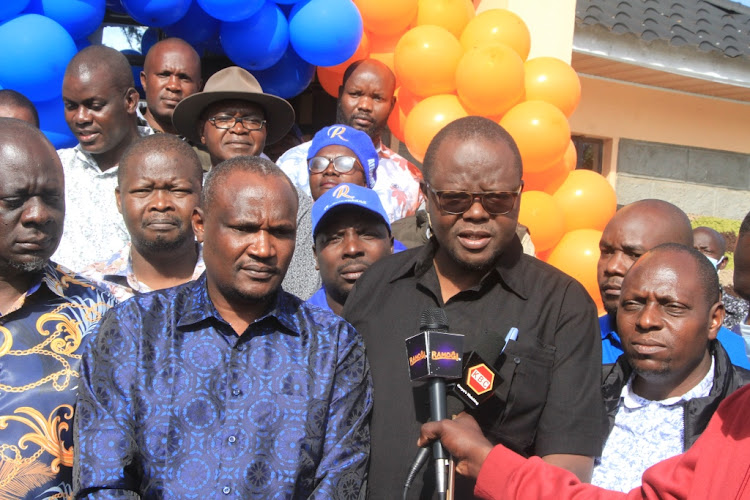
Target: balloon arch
x,y
449,62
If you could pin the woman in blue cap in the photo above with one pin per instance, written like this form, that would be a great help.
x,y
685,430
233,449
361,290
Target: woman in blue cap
x,y
339,154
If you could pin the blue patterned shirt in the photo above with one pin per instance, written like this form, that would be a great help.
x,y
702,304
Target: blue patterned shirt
x,y
40,340
174,404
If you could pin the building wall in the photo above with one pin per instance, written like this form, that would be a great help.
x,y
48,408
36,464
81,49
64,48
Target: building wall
x,y
690,150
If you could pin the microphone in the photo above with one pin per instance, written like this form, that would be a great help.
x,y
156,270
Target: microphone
x,y
436,355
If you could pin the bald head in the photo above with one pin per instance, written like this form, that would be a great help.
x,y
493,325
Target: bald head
x,y
104,62
171,72
366,97
470,128
712,244
33,178
634,230
16,105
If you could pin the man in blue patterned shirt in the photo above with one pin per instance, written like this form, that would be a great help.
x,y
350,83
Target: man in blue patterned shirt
x,y
45,312
227,387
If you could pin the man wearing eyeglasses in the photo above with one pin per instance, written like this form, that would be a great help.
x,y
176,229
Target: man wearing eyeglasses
x,y
234,117
534,324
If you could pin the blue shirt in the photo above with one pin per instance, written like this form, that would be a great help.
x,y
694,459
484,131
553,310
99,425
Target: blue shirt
x,y
174,404
40,352
612,347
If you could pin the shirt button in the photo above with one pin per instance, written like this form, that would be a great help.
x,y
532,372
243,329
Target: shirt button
x,y
226,490
236,392
232,439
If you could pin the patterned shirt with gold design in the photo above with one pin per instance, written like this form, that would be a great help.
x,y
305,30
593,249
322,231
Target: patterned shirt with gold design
x,y
40,340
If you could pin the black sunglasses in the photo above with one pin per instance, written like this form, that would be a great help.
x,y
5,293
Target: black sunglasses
x,y
458,202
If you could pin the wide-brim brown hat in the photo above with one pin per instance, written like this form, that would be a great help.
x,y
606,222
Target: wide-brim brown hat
x,y
233,83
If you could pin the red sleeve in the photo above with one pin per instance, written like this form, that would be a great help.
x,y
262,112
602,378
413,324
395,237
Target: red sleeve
x,y
507,475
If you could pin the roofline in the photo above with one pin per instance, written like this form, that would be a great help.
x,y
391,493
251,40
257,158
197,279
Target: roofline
x,y
661,56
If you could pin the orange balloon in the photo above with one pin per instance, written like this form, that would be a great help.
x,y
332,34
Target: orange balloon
x,y
587,200
550,179
554,81
577,254
382,47
330,80
540,213
489,79
426,120
405,101
497,26
426,58
452,15
541,132
386,17
362,52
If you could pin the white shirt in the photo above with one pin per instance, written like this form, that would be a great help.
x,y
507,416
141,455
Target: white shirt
x,y
94,229
645,432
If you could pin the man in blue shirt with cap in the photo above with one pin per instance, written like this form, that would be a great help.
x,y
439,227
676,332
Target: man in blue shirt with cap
x,y
350,233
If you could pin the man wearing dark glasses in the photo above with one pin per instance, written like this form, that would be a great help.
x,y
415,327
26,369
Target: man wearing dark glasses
x,y
534,324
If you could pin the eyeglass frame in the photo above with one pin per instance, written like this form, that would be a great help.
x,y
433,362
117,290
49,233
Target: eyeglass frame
x,y
332,161
474,195
240,119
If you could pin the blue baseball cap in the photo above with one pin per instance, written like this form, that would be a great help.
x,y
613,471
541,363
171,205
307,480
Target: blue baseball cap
x,y
347,194
356,140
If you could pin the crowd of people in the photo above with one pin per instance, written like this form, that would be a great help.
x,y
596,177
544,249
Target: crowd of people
x,y
182,317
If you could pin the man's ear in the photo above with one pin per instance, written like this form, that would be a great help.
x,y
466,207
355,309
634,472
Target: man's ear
x,y
722,262
391,243
131,100
197,220
716,319
118,199
143,81
201,130
315,256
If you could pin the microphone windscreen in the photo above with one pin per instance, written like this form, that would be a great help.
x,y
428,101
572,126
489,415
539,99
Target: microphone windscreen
x,y
433,319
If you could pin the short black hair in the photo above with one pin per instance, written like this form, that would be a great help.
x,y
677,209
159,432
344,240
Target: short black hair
x,y
96,57
251,164
10,97
160,143
470,127
709,278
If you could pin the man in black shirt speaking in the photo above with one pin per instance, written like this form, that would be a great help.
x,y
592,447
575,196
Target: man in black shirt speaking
x,y
536,325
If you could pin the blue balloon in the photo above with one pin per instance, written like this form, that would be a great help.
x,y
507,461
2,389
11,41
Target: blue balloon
x,y
156,13
288,77
11,8
342,25
60,141
115,6
35,52
135,69
231,10
52,122
80,18
149,38
196,27
257,42
82,43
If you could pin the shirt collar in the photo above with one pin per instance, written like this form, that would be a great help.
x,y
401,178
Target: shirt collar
x,y
198,307
632,400
505,268
53,278
121,264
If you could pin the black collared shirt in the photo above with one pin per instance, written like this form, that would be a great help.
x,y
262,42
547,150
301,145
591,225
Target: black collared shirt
x,y
549,398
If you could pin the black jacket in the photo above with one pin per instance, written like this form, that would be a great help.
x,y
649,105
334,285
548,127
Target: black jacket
x,y
698,411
